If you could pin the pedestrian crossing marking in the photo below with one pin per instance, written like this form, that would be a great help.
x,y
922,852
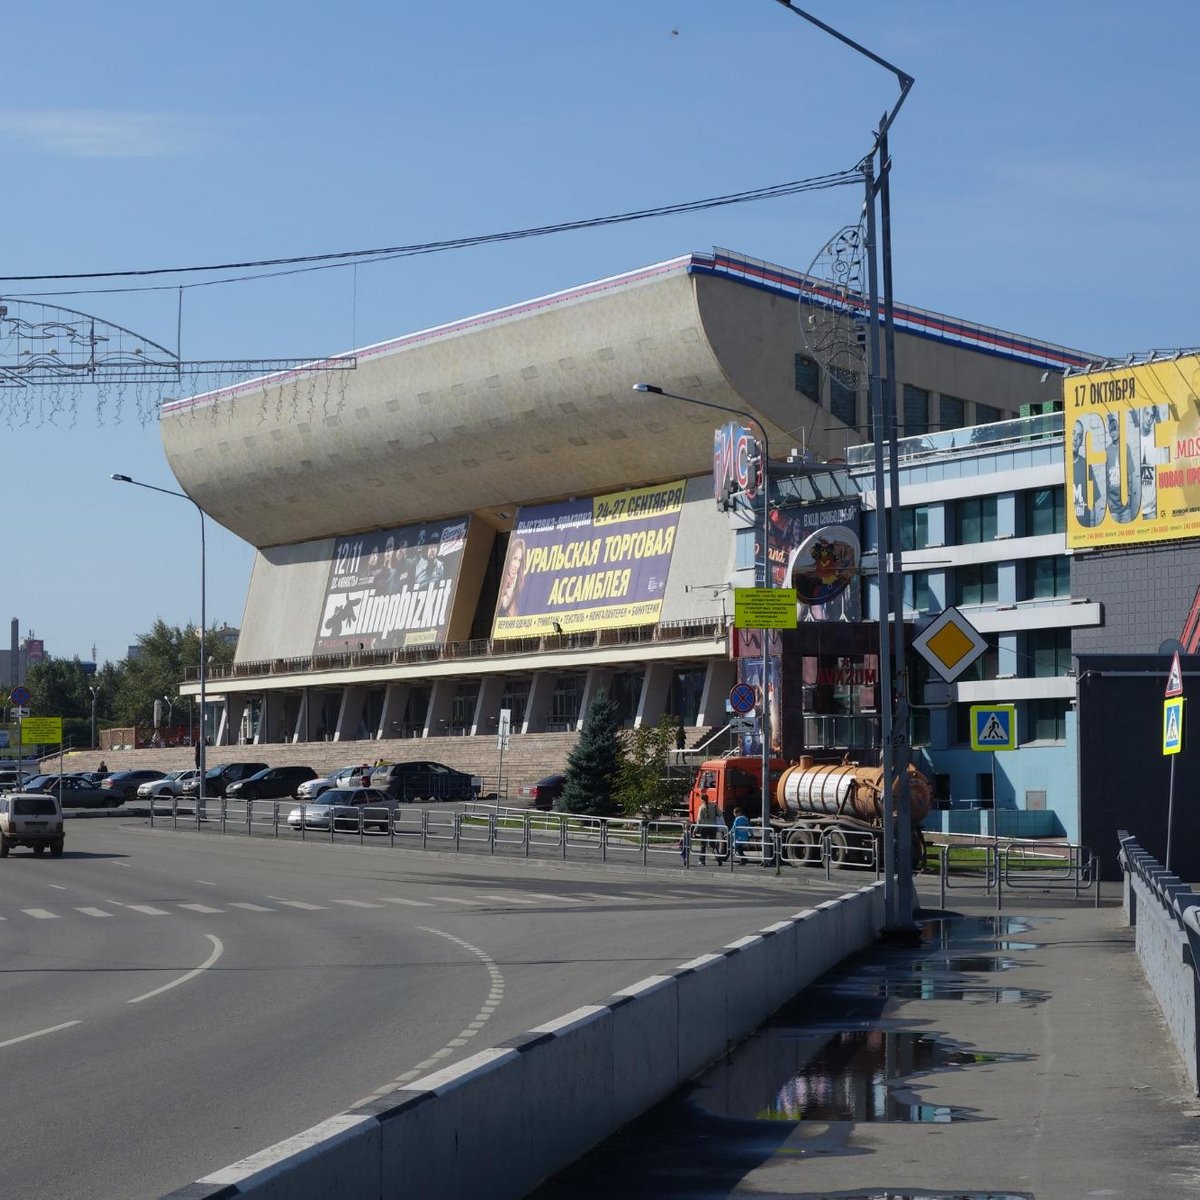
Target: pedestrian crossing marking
x,y
88,911
506,899
149,910
249,907
200,908
303,904
42,914
456,900
358,903
402,900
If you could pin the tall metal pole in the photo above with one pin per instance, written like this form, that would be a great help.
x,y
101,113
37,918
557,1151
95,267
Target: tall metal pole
x,y
765,722
200,756
882,540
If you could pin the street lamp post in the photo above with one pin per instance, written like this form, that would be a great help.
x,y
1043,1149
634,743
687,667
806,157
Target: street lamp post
x,y
200,755
95,692
766,529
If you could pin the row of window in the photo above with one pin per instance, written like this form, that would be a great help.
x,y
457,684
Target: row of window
x,y
915,403
978,583
974,519
1042,720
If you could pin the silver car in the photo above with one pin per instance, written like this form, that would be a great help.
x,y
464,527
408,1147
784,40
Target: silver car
x,y
310,789
171,784
343,806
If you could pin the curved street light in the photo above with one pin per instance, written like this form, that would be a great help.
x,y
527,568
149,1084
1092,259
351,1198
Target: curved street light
x,y
765,721
200,747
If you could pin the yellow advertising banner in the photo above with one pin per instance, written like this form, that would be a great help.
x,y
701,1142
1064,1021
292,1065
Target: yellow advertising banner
x,y
1132,454
41,730
764,608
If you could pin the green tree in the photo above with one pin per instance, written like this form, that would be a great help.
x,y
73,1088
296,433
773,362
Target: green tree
x,y
645,784
594,763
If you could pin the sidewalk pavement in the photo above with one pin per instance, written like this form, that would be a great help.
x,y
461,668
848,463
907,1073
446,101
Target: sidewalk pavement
x,y
1093,1103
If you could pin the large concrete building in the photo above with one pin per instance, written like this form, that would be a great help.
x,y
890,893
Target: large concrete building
x,y
485,516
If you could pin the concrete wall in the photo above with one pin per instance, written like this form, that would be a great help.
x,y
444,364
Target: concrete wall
x,y
500,1122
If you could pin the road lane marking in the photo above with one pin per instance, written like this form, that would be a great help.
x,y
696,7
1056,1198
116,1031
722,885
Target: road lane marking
x,y
299,904
40,1033
149,910
410,903
62,887
217,950
555,899
200,908
457,900
42,914
249,907
506,899
358,904
93,912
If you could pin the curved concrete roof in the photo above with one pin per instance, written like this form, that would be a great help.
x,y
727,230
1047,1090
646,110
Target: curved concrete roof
x,y
526,403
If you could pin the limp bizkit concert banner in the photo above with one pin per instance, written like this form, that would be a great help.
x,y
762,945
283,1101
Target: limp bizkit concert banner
x,y
393,588
589,564
1132,453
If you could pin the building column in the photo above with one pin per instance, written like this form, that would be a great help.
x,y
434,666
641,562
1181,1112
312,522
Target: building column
x,y
537,708
441,700
599,679
487,707
391,716
299,728
718,681
235,714
656,687
350,714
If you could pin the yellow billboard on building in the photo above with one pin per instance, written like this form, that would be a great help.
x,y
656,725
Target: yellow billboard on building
x,y
1132,453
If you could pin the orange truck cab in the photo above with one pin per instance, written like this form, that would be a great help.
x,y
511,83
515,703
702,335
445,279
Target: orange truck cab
x,y
733,783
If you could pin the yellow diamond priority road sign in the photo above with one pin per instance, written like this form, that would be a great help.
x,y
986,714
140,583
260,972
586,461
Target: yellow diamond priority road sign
x,y
949,644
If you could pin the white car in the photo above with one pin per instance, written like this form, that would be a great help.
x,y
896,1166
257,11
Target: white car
x,y
171,784
343,806
310,789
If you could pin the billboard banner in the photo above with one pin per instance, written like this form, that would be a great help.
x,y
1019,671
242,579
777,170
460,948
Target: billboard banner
x,y
586,564
1132,454
393,588
823,570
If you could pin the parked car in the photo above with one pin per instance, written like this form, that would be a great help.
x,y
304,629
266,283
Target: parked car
x,y
408,781
217,779
126,783
75,791
171,784
544,793
343,805
310,789
31,819
11,779
269,784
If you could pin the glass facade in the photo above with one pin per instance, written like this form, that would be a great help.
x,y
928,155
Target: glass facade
x,y
1045,511
843,396
916,410
976,583
808,378
952,412
1047,578
1047,653
976,520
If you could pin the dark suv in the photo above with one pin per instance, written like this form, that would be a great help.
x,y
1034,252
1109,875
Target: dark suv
x,y
408,781
217,779
269,784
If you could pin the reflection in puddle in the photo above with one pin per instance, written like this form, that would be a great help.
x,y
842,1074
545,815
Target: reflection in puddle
x,y
941,932
930,989
788,1074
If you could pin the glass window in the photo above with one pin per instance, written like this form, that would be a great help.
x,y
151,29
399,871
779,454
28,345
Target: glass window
x,y
987,665
952,412
746,548
914,527
976,520
919,726
976,584
1048,719
843,396
1045,511
917,596
1047,577
985,414
1047,653
808,378
916,410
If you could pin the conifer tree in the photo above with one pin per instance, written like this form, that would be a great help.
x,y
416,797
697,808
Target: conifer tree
x,y
594,763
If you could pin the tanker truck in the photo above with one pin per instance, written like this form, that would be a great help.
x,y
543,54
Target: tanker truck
x,y
810,801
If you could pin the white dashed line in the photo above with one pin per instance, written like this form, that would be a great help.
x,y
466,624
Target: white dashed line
x,y
554,899
249,907
456,900
200,908
300,904
40,1033
506,899
62,887
402,900
94,912
42,914
358,904
149,910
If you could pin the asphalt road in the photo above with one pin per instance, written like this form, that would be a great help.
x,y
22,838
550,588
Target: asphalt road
x,y
175,1001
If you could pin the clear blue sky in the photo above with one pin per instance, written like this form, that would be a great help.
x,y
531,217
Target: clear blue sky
x,y
1045,182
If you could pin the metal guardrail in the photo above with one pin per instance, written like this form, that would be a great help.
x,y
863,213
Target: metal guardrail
x,y
1021,866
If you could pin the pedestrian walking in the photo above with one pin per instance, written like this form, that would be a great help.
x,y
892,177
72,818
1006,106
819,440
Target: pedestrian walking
x,y
680,742
740,834
709,830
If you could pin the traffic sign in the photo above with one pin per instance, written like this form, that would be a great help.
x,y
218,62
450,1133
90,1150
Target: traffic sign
x,y
20,696
1175,678
764,608
1172,725
993,726
741,725
42,729
949,644
742,698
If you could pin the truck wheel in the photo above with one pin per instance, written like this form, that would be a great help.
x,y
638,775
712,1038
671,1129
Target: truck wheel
x,y
800,847
3,847
39,848
56,850
839,850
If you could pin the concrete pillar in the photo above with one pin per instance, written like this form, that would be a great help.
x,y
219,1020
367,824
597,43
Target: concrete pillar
x,y
441,698
599,679
537,710
656,687
391,716
487,707
718,681
235,713
299,726
350,714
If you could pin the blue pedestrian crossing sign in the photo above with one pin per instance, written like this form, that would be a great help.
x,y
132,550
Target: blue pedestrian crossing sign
x,y
1173,725
993,726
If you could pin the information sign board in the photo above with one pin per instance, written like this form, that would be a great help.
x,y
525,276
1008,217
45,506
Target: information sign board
x,y
764,608
42,730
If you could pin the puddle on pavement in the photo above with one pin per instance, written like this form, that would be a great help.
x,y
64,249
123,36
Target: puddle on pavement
x,y
932,989
859,1075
